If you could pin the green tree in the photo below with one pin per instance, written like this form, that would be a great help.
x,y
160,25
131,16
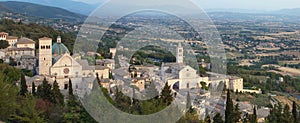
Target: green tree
x,y
253,117
70,89
204,86
111,75
237,113
57,95
295,112
33,89
44,91
229,112
27,112
191,117
218,118
3,44
207,119
287,117
188,101
8,99
74,110
166,95
23,84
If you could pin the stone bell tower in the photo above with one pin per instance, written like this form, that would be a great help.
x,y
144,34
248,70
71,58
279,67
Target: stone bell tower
x,y
179,54
45,55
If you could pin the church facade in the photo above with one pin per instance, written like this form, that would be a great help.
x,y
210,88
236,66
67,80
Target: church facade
x,y
56,62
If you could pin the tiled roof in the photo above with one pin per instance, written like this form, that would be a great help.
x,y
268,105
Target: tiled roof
x,y
45,38
25,41
11,37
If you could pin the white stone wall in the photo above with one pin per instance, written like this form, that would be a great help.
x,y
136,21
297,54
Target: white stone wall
x,y
12,42
45,56
32,46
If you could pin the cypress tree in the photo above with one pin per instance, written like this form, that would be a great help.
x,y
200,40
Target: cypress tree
x,y
253,118
294,112
57,95
188,101
229,109
33,89
23,90
287,117
44,91
70,89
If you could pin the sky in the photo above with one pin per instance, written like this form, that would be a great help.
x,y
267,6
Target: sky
x,y
239,4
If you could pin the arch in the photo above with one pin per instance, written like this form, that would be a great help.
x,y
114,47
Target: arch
x,y
175,86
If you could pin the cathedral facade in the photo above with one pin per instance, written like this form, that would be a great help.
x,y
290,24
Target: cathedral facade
x,y
56,62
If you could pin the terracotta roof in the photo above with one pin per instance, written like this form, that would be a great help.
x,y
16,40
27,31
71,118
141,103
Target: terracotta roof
x,y
11,37
3,33
25,41
45,38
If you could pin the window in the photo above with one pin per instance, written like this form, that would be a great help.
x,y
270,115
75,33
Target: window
x,y
66,76
66,86
188,85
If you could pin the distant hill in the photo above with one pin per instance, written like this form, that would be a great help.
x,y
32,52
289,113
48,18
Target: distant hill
x,y
30,9
73,6
293,12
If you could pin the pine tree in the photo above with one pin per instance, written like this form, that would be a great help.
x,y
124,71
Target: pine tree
x,y
57,95
33,89
294,112
166,95
23,90
218,118
229,114
44,91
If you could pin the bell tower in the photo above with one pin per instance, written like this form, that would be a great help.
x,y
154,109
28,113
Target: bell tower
x,y
179,54
58,39
45,55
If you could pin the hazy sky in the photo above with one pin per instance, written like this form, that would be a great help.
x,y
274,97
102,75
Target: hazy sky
x,y
239,4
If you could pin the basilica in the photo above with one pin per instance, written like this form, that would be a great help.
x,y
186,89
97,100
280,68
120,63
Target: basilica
x,y
56,63
53,61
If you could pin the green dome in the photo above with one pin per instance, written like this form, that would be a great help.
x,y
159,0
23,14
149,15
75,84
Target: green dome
x,y
59,49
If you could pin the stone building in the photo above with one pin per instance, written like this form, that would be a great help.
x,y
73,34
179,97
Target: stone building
x,y
56,62
3,35
25,43
12,40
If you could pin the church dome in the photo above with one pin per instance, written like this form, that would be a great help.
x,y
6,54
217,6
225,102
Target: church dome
x,y
59,49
